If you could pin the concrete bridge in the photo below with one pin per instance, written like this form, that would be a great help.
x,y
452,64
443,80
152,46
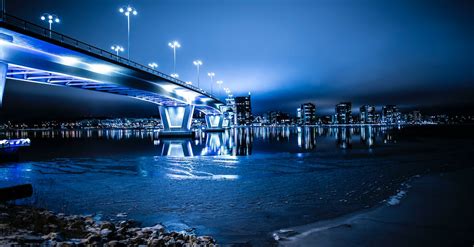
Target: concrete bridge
x,y
29,52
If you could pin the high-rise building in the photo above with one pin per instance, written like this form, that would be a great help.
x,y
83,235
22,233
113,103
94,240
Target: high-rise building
x,y
390,114
243,110
306,114
367,114
343,113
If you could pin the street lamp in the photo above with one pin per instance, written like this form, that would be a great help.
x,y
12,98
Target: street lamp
x,y
220,84
117,49
127,11
50,18
174,75
174,45
211,74
153,65
198,64
189,83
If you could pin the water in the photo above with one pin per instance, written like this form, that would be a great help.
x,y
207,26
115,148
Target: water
x,y
237,186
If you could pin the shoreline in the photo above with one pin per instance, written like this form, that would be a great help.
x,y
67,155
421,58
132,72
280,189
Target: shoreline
x,y
433,210
29,226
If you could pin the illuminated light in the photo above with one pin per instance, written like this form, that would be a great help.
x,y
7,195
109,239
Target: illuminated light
x,y
170,88
153,65
189,83
174,44
135,12
205,99
190,96
101,68
129,9
121,10
197,62
50,17
57,20
43,18
69,60
175,75
208,177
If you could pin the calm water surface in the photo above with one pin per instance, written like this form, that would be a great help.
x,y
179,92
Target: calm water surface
x,y
237,186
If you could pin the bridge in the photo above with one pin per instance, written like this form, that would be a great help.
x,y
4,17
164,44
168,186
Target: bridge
x,y
35,54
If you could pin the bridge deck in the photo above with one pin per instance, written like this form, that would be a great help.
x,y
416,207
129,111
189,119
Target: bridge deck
x,y
38,55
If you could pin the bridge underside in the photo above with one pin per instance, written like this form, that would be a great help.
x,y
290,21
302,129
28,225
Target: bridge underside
x,y
17,72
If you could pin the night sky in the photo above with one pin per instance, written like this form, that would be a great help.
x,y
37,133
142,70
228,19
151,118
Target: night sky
x,y
415,54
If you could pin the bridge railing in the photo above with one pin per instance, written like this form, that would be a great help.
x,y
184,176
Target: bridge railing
x,y
51,34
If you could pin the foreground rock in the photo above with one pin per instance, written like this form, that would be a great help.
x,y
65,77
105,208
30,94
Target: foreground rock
x,y
23,225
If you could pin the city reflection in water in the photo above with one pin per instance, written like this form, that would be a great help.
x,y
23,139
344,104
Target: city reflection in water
x,y
232,142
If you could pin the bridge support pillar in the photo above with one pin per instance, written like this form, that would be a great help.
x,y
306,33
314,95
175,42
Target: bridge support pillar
x,y
214,122
176,120
3,76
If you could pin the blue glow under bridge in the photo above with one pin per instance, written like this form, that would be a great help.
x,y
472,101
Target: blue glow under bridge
x,y
32,53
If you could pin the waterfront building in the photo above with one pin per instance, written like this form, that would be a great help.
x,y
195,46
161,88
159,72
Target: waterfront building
x,y
243,110
278,117
390,114
367,114
343,113
306,114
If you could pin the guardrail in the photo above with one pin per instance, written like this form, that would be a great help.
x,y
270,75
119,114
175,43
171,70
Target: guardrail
x,y
51,34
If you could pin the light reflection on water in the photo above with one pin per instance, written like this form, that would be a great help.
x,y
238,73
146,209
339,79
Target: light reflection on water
x,y
238,185
235,142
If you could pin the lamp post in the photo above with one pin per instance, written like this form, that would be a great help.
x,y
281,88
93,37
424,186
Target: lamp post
x,y
189,83
198,64
174,75
153,65
211,75
174,45
117,49
50,18
127,11
228,92
220,84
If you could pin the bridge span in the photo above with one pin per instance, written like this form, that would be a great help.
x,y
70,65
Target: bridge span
x,y
32,53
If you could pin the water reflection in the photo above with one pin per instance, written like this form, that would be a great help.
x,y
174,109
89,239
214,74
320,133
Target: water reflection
x,y
232,142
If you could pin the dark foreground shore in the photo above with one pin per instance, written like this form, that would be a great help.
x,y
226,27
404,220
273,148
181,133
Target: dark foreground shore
x,y
28,226
436,210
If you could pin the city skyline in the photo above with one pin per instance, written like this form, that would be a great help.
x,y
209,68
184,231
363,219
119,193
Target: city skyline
x,y
425,87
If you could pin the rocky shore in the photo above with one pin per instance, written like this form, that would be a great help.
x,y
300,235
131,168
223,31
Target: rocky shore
x,y
28,226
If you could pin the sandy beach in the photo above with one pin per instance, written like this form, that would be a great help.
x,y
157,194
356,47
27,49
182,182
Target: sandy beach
x,y
433,210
